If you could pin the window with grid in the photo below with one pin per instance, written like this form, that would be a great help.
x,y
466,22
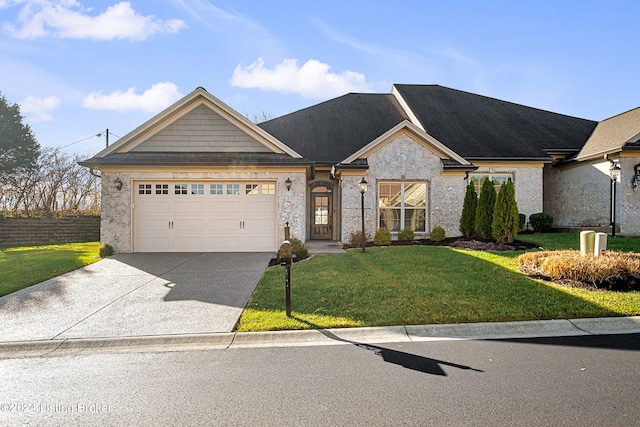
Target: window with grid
x,y
162,188
197,188
496,178
144,188
268,189
233,188
215,189
402,205
180,189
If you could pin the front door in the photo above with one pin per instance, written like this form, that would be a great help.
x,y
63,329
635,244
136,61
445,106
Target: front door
x,y
322,218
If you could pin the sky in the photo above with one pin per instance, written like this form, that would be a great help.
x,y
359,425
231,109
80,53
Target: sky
x,y
79,67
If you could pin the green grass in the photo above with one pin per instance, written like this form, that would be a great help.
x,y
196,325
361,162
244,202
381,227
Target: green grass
x,y
405,285
22,266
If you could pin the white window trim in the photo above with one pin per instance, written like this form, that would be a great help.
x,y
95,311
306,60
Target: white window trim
x,y
402,207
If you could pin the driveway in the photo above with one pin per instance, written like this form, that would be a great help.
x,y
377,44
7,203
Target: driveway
x,y
138,294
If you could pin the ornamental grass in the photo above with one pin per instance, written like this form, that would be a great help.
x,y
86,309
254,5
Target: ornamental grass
x,y
618,271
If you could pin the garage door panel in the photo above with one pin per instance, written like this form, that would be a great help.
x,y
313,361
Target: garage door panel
x,y
189,207
153,207
191,243
229,206
195,225
165,221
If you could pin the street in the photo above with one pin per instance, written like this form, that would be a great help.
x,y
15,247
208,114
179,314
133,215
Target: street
x,y
563,381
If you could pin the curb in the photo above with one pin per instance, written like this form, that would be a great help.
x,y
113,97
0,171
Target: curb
x,y
318,337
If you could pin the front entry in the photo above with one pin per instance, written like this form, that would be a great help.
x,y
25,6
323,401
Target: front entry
x,y
321,228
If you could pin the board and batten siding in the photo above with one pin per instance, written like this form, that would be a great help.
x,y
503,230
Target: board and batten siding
x,y
202,130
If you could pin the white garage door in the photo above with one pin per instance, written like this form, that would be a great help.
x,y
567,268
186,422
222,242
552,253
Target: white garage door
x,y
206,216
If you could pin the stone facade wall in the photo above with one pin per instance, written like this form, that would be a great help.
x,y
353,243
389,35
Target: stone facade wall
x,y
38,231
528,186
404,159
117,213
578,195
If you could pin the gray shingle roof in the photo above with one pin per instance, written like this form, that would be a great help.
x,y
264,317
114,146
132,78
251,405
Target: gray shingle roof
x,y
613,134
479,127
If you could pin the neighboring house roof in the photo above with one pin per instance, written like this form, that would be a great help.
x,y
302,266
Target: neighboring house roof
x,y
331,131
478,127
621,132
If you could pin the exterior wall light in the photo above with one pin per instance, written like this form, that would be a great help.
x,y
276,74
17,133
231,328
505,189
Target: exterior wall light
x,y
614,173
362,184
118,183
635,179
288,184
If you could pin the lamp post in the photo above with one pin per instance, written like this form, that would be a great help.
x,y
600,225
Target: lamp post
x,y
614,173
363,189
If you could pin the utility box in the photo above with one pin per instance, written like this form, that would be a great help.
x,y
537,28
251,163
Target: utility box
x,y
600,244
587,242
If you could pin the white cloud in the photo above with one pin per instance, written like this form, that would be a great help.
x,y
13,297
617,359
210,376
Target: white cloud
x,y
39,109
153,100
69,19
311,80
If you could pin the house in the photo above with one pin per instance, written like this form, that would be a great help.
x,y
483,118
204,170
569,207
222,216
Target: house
x,y
201,177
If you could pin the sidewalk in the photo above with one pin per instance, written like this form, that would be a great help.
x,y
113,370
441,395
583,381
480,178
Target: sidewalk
x,y
388,334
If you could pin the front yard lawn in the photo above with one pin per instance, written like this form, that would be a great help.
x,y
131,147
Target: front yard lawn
x,y
404,285
22,266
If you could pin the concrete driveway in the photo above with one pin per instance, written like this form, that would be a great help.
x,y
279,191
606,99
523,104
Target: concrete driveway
x,y
139,294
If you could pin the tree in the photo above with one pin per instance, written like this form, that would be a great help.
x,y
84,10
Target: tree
x,y
506,220
484,210
18,147
468,218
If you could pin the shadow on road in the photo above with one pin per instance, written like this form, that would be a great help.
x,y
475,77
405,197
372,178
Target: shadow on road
x,y
414,362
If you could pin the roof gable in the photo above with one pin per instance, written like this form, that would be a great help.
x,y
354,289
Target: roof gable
x,y
420,135
199,122
612,134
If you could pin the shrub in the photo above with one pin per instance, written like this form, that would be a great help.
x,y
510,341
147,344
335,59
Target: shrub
x,y
522,219
406,235
382,237
484,210
614,270
468,218
355,239
105,250
298,249
437,234
506,222
541,222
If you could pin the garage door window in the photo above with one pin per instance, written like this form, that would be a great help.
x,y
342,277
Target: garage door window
x,y
197,188
233,188
162,188
181,189
215,189
144,188
268,189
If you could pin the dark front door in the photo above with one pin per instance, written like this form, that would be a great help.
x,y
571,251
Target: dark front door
x,y
322,221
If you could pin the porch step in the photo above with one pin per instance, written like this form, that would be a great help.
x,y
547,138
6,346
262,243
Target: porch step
x,y
317,247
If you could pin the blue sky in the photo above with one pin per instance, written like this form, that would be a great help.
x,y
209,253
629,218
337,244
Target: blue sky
x,y
78,67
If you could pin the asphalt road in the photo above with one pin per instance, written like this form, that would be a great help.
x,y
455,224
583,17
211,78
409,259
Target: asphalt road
x,y
571,381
